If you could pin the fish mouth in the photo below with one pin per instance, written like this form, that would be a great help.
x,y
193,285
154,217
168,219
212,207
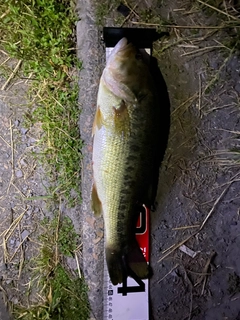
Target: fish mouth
x,y
121,44
122,48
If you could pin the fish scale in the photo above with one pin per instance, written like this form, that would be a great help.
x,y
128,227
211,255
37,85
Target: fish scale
x,y
115,162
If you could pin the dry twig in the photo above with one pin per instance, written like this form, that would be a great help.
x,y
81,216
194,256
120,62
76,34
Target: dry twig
x,y
79,271
205,273
168,273
201,50
216,203
187,227
12,75
185,27
218,10
176,246
12,158
7,234
131,11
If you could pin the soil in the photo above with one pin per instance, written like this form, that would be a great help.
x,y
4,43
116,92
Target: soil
x,y
199,176
20,178
23,186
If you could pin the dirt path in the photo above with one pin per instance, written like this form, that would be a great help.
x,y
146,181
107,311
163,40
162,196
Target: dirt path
x,y
199,177
23,191
91,52
20,179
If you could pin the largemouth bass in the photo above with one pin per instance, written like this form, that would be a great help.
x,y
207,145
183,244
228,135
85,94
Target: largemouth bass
x,y
124,146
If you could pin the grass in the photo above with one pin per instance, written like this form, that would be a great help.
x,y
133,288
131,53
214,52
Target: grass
x,y
106,9
40,35
62,295
102,10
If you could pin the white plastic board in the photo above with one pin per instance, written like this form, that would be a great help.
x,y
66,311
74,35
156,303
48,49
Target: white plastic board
x,y
134,303
130,302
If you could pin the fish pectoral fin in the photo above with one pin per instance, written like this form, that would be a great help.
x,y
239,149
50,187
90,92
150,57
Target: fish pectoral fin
x,y
95,202
121,118
118,88
98,121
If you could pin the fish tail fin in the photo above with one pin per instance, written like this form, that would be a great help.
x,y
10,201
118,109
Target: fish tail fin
x,y
114,264
136,261
119,264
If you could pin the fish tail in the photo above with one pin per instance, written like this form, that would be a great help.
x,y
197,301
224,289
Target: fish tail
x,y
136,261
121,265
114,264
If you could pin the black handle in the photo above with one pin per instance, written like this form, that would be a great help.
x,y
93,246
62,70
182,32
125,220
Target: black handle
x,y
140,37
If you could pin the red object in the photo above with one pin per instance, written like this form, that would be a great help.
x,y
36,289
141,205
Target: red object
x,y
142,232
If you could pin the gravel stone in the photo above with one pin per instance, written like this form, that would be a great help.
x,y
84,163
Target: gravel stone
x,y
25,234
19,173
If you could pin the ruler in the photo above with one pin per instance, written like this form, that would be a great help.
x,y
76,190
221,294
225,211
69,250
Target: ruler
x,y
129,301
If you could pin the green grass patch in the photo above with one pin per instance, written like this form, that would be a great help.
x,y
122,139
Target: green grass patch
x,y
63,295
41,34
106,8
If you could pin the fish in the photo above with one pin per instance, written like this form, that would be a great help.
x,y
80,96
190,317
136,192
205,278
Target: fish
x,y
124,152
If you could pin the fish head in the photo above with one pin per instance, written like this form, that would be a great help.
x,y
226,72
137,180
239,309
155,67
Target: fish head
x,y
126,56
127,70
122,50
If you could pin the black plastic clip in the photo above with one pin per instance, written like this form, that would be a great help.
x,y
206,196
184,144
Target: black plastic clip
x,y
140,37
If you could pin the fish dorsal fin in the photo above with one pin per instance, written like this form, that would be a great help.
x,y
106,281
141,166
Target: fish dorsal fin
x,y
95,202
98,121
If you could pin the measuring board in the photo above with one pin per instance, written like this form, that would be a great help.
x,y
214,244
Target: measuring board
x,y
129,301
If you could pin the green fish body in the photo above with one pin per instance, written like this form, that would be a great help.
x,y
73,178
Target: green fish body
x,y
123,155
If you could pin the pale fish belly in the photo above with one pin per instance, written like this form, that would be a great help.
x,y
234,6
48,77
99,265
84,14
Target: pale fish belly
x,y
121,172
108,167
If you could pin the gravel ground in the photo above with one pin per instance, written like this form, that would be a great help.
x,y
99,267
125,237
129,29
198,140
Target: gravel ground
x,y
195,181
23,186
20,178
91,52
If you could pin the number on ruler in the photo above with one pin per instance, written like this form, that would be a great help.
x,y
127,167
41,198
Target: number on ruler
x,y
124,290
